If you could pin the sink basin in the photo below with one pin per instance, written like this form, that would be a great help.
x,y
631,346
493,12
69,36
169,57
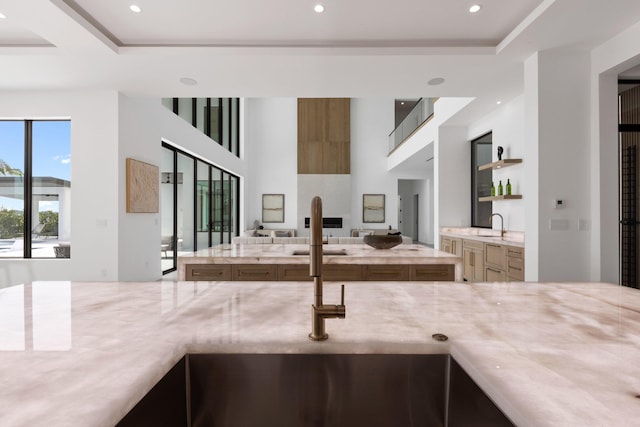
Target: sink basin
x,y
382,242
300,390
324,252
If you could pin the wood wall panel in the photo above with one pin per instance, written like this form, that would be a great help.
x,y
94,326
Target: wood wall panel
x,y
324,135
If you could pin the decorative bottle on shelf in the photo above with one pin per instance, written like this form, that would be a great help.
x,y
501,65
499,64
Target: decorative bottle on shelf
x,y
500,188
493,189
508,188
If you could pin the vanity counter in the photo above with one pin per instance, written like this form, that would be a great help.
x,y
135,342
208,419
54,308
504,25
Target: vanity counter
x,y
548,354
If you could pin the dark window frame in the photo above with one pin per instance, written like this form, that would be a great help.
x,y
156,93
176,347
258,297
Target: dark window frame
x,y
230,233
27,180
474,184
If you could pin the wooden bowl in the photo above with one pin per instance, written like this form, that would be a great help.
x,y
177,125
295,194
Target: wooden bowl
x,y
382,241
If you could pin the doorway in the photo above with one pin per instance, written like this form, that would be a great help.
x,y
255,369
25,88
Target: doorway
x,y
629,181
416,216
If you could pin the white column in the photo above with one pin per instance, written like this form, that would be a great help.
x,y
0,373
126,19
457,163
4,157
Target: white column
x,y
452,175
557,166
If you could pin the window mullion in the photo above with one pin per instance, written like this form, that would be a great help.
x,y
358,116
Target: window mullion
x,y
28,187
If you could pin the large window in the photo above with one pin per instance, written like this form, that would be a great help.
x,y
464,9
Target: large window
x,y
35,188
199,205
218,118
481,181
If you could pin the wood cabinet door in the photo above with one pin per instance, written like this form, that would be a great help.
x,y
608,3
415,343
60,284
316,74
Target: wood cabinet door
x,y
468,272
495,255
456,246
445,245
478,266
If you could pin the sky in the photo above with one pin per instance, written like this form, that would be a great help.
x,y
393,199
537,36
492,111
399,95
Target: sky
x,y
51,153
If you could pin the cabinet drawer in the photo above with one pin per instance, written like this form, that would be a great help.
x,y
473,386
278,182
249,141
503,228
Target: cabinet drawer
x,y
515,268
194,272
494,275
339,272
472,244
433,272
294,272
253,272
515,252
385,272
495,255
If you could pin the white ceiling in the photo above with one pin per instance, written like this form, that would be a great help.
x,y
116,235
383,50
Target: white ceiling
x,y
294,23
282,48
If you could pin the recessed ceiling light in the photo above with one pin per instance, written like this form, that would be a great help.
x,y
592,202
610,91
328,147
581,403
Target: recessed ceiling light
x,y
498,102
318,8
135,8
188,81
475,8
435,82
2,16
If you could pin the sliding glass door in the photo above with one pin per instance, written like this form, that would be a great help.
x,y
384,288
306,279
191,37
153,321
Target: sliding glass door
x,y
199,205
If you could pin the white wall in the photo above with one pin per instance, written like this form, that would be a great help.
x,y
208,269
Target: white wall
x,y
452,177
272,160
94,177
507,124
408,189
143,124
372,120
607,60
272,157
335,192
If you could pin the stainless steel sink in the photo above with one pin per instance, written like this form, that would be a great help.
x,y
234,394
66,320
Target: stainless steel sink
x,y
300,390
324,252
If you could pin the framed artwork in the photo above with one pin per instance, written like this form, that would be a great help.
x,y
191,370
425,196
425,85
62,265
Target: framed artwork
x,y
373,208
143,185
272,208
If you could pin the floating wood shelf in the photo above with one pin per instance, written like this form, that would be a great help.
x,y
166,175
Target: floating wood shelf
x,y
495,198
500,164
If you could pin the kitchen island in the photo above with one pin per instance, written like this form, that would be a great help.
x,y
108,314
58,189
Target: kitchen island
x,y
548,354
290,262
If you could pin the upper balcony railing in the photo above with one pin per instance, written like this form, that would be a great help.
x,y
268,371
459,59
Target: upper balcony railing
x,y
419,114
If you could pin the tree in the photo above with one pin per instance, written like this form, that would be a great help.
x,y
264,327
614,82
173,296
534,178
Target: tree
x,y
5,169
50,221
11,223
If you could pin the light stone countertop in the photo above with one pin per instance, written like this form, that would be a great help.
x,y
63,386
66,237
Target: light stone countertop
x,y
355,254
487,235
548,354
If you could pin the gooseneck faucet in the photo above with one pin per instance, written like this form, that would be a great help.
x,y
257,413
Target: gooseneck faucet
x,y
501,223
319,311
